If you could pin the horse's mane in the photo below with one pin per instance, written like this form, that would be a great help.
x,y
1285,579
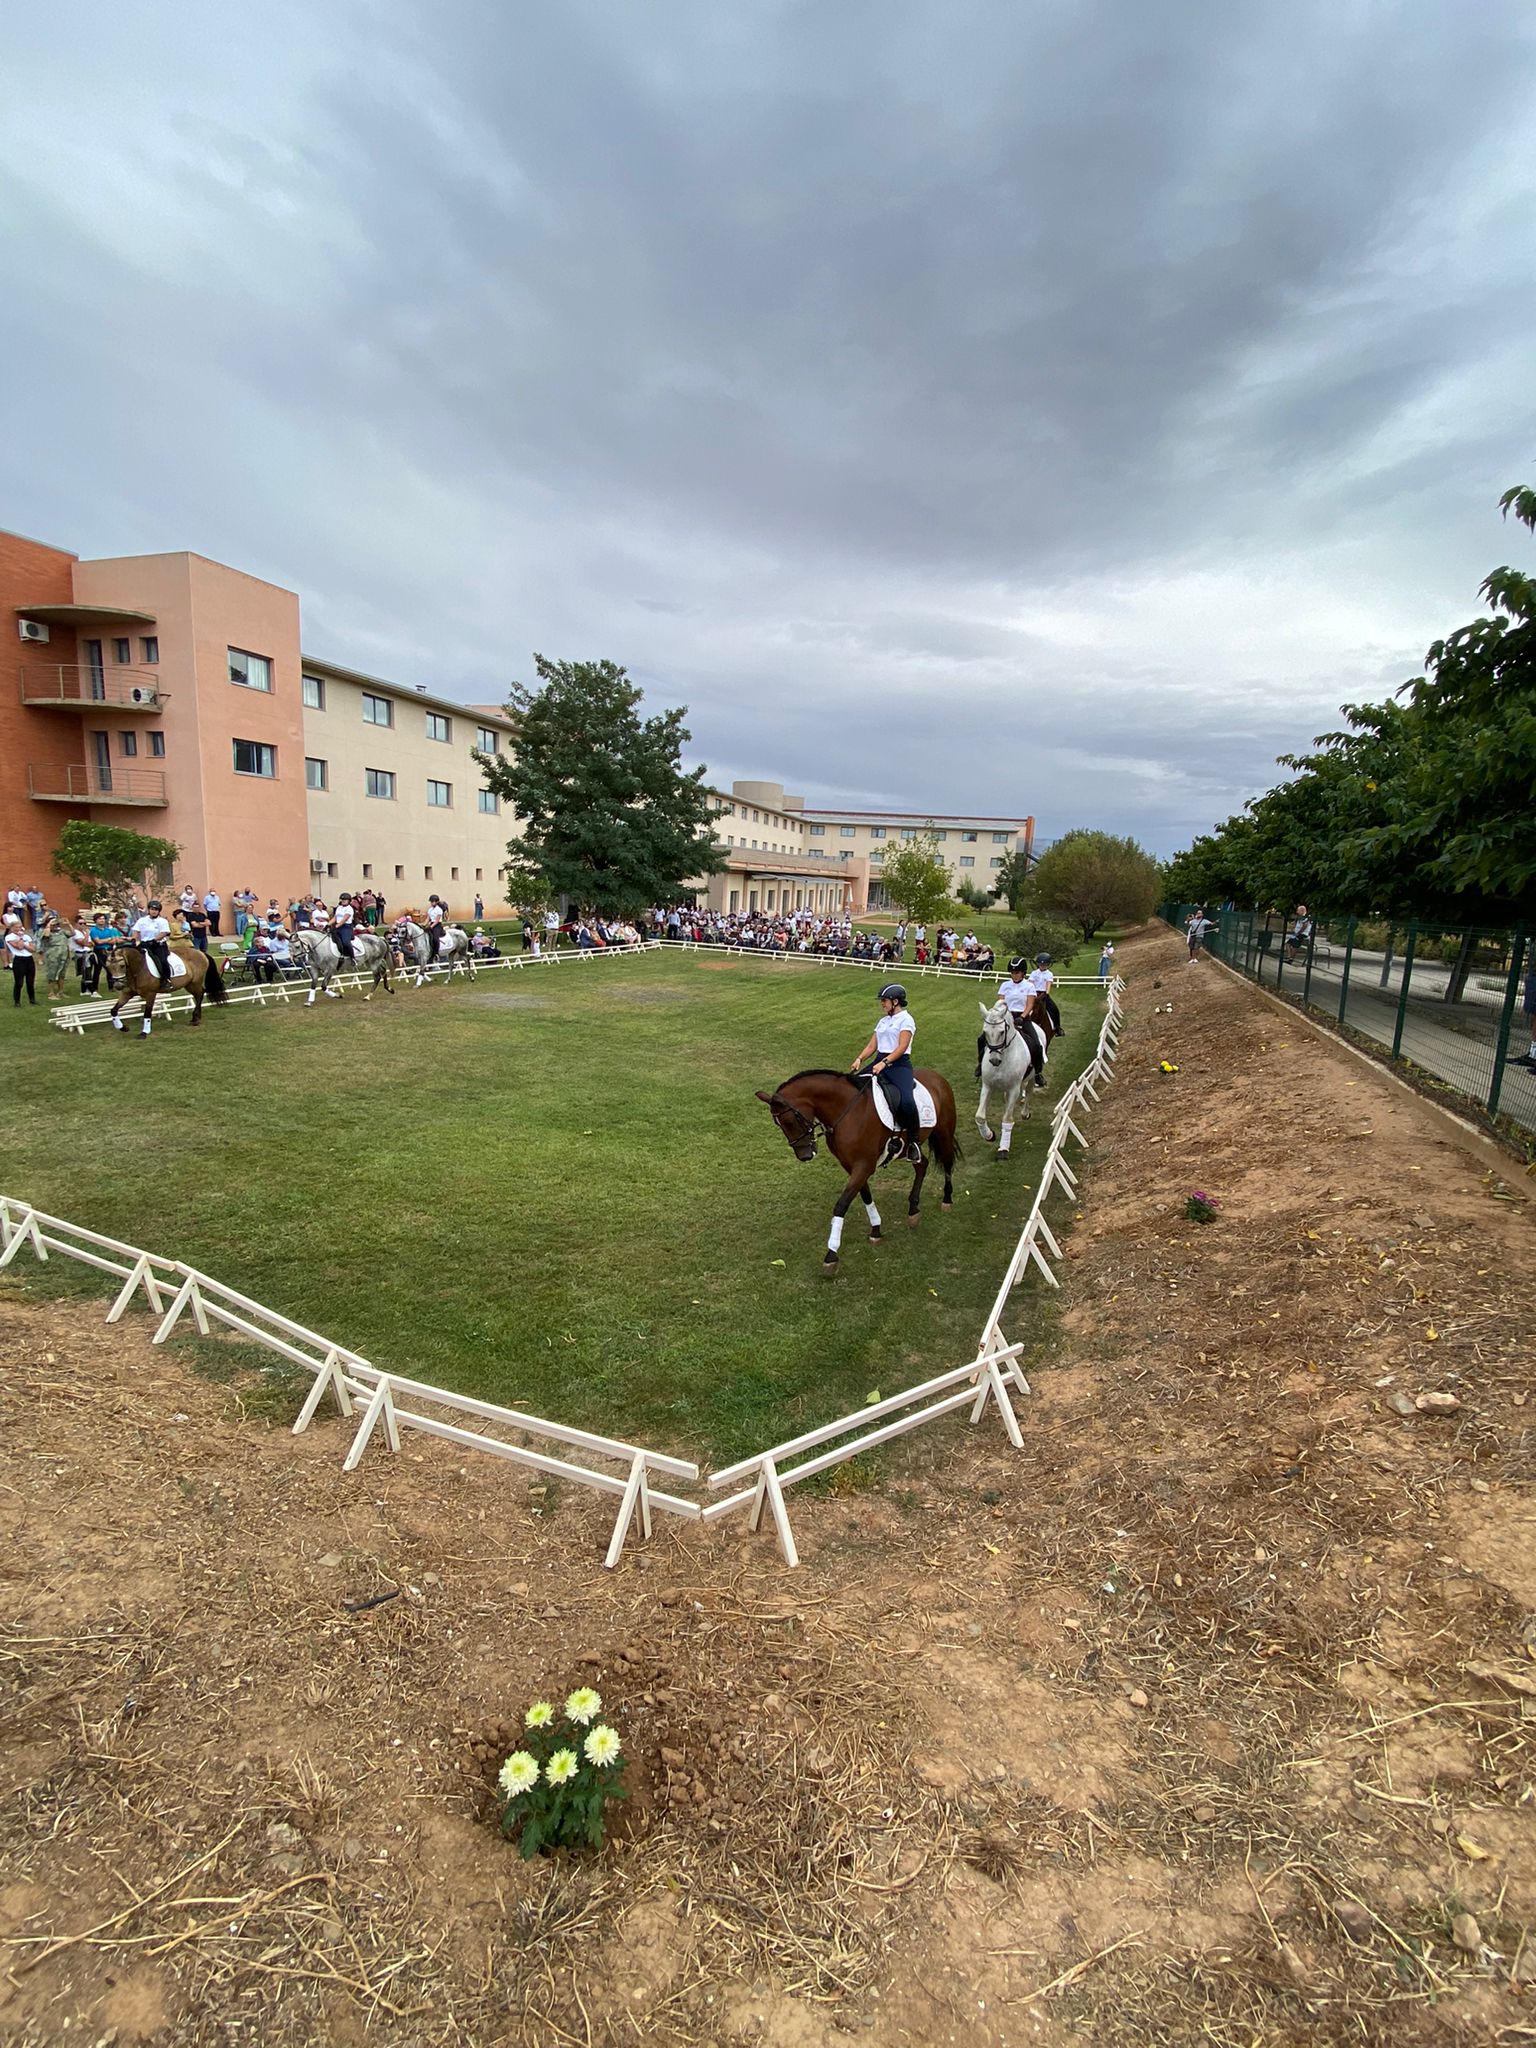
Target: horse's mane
x,y
814,1074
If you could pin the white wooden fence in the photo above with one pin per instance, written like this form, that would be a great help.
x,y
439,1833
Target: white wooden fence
x,y
174,1289
76,1016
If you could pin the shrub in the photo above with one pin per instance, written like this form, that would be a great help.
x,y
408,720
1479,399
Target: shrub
x,y
552,1792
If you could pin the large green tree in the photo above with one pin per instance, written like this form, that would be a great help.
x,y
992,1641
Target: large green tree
x,y
1011,882
916,877
1092,879
610,820
110,856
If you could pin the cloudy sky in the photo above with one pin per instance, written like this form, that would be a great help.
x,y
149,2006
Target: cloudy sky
x,y
1039,403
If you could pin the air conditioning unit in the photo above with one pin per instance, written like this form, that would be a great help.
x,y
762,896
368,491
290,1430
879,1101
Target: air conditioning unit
x,y
143,693
317,867
32,629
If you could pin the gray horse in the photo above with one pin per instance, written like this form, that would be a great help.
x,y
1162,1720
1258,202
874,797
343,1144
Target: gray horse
x,y
453,951
1006,1068
322,960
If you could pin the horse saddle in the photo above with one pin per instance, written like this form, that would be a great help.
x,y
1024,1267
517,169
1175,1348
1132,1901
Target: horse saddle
x,y
886,1099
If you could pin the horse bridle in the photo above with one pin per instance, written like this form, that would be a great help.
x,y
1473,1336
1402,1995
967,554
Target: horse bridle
x,y
809,1124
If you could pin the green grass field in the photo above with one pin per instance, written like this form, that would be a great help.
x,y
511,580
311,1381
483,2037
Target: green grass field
x,y
554,1188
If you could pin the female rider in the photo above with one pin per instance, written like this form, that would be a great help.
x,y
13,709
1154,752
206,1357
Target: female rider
x,y
891,1044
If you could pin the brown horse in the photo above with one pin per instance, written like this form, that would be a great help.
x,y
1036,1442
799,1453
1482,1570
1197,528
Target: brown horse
x,y
140,979
844,1109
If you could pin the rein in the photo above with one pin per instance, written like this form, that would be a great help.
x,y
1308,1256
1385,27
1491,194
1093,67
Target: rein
x,y
808,1124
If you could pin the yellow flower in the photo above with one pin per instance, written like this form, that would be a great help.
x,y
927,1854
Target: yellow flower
x,y
518,1773
583,1705
561,1766
539,1715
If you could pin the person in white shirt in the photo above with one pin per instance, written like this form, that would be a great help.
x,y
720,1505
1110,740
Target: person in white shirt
x,y
1018,993
341,926
151,933
1043,981
891,1045
213,903
21,958
319,917
436,921
187,899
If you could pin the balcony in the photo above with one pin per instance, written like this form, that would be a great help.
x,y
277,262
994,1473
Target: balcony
x,y
75,686
80,783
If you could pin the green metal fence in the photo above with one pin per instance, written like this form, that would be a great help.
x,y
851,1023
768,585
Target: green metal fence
x,y
1453,1000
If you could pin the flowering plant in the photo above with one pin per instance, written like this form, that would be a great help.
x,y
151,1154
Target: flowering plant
x,y
552,1791
1201,1207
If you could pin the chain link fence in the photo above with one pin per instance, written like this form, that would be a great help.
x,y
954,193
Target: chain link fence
x,y
1458,1002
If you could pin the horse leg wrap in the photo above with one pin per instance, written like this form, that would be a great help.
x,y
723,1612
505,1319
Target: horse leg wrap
x,y
144,1029
835,1234
1005,1140
872,1213
310,997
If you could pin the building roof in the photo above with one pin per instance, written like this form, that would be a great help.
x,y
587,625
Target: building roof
x,y
313,664
922,816
84,615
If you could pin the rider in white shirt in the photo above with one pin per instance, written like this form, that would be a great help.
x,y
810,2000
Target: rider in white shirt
x,y
1043,981
1017,993
341,926
436,920
891,1043
151,933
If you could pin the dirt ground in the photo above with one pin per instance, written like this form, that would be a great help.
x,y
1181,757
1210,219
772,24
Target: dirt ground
x,y
1207,1718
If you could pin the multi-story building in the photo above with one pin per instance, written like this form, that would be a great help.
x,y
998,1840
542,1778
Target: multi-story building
x,y
170,694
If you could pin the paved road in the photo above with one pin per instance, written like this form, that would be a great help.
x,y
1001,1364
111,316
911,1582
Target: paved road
x,y
1455,1041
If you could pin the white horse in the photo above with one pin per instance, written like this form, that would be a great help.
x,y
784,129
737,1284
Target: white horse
x,y
322,959
1006,1068
453,951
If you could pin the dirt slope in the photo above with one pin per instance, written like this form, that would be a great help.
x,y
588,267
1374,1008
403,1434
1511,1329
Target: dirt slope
x,y
1207,1718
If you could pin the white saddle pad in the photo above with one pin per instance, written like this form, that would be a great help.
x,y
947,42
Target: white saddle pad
x,y
178,967
927,1115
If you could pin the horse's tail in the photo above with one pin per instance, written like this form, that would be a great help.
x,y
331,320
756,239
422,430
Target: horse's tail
x,y
213,981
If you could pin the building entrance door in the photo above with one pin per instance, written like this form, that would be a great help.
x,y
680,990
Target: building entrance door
x,y
95,672
101,754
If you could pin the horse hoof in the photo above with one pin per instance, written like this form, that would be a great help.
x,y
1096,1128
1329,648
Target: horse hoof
x,y
912,1222
829,1263
946,1206
875,1237
1002,1158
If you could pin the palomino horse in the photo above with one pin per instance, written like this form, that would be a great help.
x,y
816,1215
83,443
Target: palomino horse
x,y
1007,1067
322,959
140,979
453,950
844,1109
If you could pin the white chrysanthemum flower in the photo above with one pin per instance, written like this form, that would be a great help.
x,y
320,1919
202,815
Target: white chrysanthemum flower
x,y
518,1773
583,1705
539,1715
602,1745
561,1766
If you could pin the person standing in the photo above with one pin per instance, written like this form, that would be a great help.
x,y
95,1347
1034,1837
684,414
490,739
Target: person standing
x,y
187,898
1527,1058
1106,960
479,906
55,955
21,958
213,903
196,920
105,932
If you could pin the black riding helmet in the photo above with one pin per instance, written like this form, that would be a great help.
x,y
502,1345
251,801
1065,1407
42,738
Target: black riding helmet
x,y
1017,964
893,992
155,904
1042,959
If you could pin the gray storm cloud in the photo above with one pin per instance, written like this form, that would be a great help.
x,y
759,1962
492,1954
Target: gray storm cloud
x,y
1062,408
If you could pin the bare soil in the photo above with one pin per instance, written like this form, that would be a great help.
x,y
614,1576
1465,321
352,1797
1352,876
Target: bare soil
x,y
1207,1718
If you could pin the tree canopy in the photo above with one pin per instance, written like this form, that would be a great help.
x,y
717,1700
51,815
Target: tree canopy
x,y
1092,879
611,822
1011,882
916,877
1418,807
109,855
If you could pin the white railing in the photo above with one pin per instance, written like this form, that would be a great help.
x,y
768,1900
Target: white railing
x,y
174,1289
894,970
76,1016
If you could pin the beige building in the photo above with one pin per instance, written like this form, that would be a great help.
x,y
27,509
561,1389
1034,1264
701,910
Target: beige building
x,y
396,798
782,857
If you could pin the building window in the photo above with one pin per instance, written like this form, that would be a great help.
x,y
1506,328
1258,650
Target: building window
x,y
816,831
377,710
877,831
379,781
314,693
128,744
330,869
438,727
122,650
315,774
439,795
250,671
846,831
426,874
489,802
941,835
967,860
453,874
818,853
487,739
997,860
479,874
367,870
255,757
157,745
399,874
968,838
149,649
909,831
